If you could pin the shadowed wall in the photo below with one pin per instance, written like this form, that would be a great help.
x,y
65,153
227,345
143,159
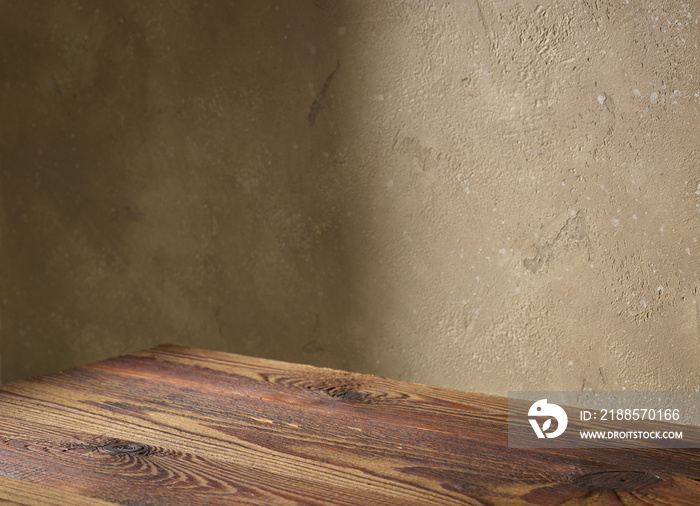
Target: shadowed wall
x,y
485,195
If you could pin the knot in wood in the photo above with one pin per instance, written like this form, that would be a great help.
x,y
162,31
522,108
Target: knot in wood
x,y
125,447
617,479
346,388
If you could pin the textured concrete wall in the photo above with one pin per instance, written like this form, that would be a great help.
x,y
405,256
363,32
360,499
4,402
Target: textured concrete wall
x,y
480,194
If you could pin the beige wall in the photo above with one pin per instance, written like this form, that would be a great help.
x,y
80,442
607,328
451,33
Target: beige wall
x,y
479,194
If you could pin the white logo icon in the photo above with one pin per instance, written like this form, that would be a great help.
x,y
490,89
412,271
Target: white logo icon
x,y
542,408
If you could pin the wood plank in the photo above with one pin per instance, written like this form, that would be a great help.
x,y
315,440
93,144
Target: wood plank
x,y
173,422
14,491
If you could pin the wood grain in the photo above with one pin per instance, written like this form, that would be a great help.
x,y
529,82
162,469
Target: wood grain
x,y
32,494
176,425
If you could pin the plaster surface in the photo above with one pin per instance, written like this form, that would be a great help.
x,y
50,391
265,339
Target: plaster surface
x,y
484,195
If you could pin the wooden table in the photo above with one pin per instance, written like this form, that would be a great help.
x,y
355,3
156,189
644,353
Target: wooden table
x,y
175,425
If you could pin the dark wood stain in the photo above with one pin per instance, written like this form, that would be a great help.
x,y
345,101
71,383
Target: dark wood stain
x,y
178,425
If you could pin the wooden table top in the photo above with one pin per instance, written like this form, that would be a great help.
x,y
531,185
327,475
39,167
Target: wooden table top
x,y
176,425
